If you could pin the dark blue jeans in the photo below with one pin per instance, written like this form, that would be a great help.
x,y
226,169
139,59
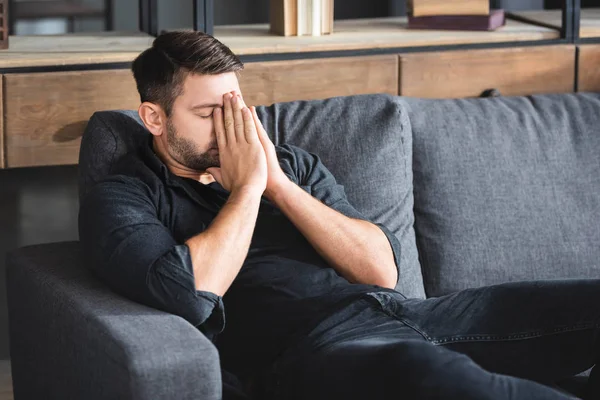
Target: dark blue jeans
x,y
509,341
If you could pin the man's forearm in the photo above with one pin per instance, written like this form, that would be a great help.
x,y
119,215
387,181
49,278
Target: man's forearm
x,y
219,252
357,249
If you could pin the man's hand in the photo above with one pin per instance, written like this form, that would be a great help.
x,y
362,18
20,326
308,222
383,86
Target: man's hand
x,y
242,157
276,179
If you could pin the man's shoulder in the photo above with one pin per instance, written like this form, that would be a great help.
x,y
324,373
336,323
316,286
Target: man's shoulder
x,y
131,172
129,178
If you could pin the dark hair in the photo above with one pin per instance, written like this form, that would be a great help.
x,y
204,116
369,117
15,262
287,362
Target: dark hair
x,y
159,71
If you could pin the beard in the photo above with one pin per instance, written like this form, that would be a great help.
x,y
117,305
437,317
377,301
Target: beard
x,y
184,151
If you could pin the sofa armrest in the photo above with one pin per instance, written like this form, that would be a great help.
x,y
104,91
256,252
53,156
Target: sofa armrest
x,y
73,338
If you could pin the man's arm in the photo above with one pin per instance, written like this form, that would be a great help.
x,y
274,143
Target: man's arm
x,y
128,248
225,243
357,249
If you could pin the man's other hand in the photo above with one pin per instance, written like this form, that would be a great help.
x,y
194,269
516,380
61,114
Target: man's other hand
x,y
242,157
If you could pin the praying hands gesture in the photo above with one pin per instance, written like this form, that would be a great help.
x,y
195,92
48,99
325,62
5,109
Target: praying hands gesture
x,y
246,153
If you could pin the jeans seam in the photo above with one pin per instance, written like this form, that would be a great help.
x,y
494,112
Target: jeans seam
x,y
514,336
415,328
405,322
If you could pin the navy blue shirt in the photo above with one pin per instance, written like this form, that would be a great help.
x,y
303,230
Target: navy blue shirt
x,y
133,226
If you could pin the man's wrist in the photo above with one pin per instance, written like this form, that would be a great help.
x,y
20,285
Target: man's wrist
x,y
244,192
281,189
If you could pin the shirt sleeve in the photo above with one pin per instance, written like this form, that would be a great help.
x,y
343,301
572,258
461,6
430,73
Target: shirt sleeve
x,y
308,171
129,249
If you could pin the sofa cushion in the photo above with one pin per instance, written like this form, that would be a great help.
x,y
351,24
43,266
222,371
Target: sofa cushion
x,y
365,141
506,189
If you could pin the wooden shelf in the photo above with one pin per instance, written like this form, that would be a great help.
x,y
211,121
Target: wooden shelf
x,y
589,22
53,9
102,47
368,34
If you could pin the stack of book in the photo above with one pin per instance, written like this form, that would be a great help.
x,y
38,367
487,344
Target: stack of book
x,y
472,15
301,17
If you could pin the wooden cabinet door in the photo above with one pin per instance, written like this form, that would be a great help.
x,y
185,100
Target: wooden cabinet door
x,y
46,113
467,73
589,68
265,83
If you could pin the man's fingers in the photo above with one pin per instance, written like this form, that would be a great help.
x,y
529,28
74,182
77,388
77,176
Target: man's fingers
x,y
262,134
249,126
250,129
228,120
237,106
219,127
240,98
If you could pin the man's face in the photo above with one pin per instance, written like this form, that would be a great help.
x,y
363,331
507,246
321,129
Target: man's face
x,y
191,139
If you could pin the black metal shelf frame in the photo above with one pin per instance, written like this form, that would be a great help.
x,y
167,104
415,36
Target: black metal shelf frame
x,y
203,11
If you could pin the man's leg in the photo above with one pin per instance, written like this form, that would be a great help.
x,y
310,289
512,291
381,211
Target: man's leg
x,y
364,353
390,369
543,331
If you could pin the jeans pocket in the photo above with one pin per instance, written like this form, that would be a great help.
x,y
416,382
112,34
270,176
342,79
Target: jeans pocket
x,y
387,302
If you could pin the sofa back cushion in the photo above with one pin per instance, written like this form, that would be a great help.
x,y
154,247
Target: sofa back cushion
x,y
364,140
506,189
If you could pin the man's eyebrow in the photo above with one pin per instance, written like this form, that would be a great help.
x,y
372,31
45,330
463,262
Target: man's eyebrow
x,y
207,105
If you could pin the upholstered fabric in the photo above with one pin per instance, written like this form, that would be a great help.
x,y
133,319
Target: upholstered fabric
x,y
506,189
72,338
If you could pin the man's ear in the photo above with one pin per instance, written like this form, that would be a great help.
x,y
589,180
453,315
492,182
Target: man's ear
x,y
153,117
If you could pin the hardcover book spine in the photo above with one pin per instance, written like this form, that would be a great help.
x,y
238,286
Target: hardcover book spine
x,y
419,8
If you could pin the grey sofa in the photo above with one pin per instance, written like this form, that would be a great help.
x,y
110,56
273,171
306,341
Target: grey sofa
x,y
479,191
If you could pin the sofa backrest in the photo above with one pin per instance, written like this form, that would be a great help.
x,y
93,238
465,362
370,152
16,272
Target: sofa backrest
x,y
364,140
108,136
506,189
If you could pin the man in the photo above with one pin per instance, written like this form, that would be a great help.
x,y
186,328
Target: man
x,y
212,222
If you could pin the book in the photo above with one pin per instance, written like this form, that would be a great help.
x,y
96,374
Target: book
x,y
494,20
309,17
327,17
316,16
420,8
283,17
